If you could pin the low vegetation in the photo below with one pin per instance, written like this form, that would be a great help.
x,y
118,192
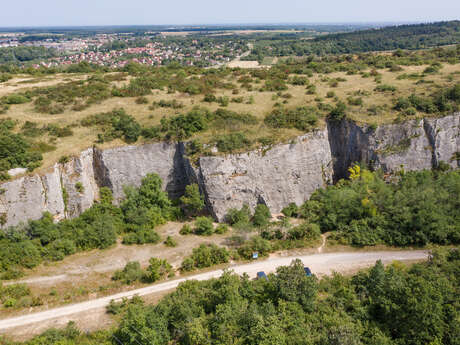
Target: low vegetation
x,y
394,305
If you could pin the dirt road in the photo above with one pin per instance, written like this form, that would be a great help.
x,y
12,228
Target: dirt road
x,y
320,264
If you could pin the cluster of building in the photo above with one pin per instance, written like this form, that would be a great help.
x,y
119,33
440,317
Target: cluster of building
x,y
152,54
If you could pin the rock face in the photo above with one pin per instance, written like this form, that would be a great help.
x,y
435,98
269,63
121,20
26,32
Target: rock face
x,y
129,164
276,177
79,183
388,147
29,196
444,136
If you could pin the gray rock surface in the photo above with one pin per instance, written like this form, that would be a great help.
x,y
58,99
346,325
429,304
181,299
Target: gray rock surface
x,y
276,177
444,135
79,182
389,147
29,196
129,164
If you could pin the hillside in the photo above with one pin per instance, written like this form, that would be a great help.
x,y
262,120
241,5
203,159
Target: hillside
x,y
409,37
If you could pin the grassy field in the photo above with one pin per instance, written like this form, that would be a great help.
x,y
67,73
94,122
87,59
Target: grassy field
x,y
365,104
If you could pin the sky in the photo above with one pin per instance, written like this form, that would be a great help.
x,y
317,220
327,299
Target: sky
x,y
154,12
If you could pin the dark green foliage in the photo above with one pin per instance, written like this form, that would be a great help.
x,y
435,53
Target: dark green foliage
x,y
97,227
204,226
130,273
444,101
291,210
16,55
338,112
221,229
302,118
232,142
115,124
192,200
421,208
184,125
170,242
256,244
239,217
418,36
262,215
205,256
15,149
144,208
158,269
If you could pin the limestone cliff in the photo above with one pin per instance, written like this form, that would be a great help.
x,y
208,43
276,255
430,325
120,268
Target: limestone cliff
x,y
275,176
129,164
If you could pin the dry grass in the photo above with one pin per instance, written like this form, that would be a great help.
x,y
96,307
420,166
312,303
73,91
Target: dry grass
x,y
85,137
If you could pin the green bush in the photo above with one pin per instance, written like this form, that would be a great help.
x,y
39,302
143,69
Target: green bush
x,y
205,256
203,226
192,200
256,244
291,210
302,118
131,273
241,216
221,229
261,216
186,230
232,142
158,269
170,242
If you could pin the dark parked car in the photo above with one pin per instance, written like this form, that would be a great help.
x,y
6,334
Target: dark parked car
x,y
262,275
307,271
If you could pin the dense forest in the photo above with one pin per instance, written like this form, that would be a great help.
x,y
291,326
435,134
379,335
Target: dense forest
x,y
15,55
383,306
410,37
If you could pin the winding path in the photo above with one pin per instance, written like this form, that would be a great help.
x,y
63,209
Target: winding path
x,y
319,264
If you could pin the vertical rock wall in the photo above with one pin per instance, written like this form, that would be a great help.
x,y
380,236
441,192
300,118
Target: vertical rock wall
x,y
276,177
127,165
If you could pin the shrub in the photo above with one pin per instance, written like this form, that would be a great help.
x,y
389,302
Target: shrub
x,y
232,142
205,256
385,88
221,229
131,272
262,215
256,244
302,118
158,269
204,226
170,242
241,216
186,229
339,112
192,200
291,210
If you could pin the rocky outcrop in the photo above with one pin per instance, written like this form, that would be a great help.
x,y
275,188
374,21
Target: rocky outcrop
x,y
275,177
389,147
444,136
79,183
127,165
29,196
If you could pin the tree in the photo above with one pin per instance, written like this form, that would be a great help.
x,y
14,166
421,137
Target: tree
x,y
262,215
158,269
204,226
192,200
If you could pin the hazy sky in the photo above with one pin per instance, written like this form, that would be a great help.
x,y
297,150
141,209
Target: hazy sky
x,y
127,12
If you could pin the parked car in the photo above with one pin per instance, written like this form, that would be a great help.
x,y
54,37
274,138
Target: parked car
x,y
307,271
262,275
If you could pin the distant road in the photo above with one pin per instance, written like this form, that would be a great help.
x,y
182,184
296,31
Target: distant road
x,y
319,264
